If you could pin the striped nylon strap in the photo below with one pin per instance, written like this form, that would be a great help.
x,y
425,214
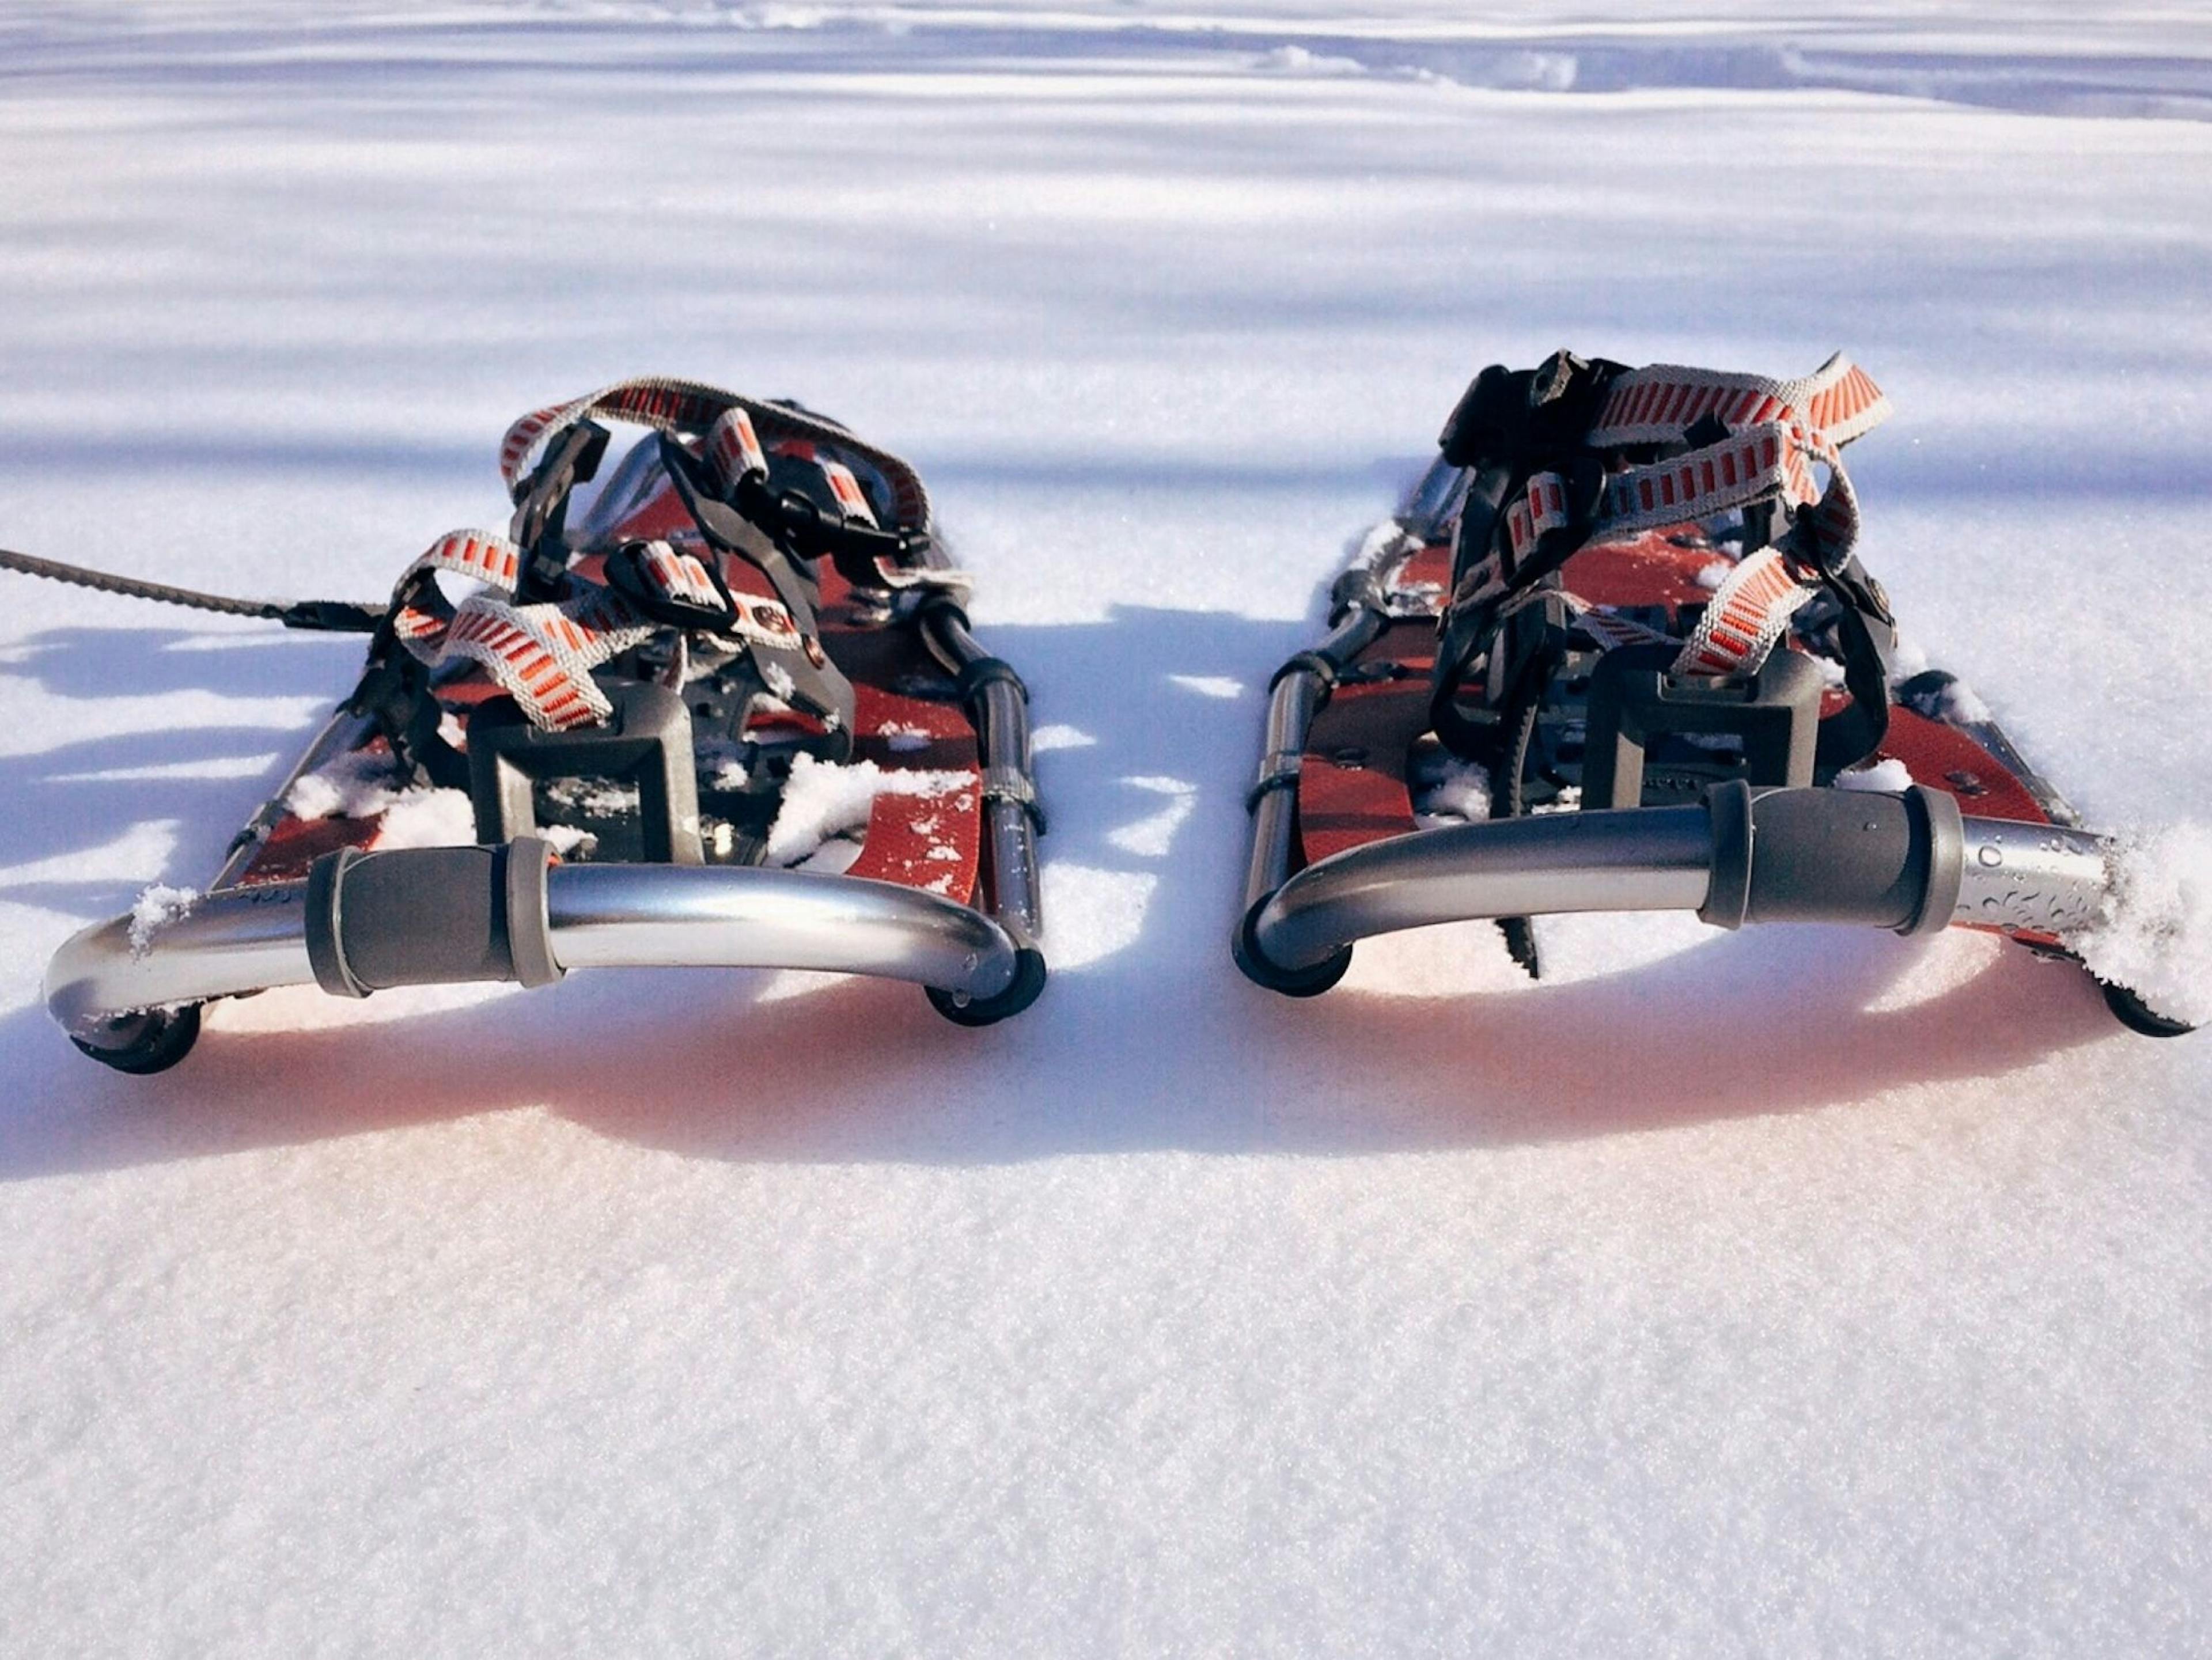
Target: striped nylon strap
x,y
1746,618
1775,430
753,619
543,655
678,406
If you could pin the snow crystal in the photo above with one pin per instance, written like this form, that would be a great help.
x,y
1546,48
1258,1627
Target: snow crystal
x,y
428,819
569,841
2155,934
1958,704
1056,736
720,763
1301,60
595,798
1569,799
157,908
1382,537
823,799
1889,773
1222,686
833,857
1459,794
1152,836
903,737
1712,575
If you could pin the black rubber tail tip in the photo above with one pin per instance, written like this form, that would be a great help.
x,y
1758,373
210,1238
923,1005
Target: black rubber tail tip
x,y
1290,982
1022,991
150,1040
2132,1012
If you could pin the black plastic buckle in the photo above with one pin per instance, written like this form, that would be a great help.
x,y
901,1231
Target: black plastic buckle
x,y
1635,699
645,744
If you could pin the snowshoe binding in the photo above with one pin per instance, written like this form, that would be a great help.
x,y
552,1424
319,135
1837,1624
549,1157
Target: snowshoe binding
x,y
1617,651
723,710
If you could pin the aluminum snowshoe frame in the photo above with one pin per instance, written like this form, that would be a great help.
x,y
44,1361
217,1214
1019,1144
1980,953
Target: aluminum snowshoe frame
x,y
361,918
1529,477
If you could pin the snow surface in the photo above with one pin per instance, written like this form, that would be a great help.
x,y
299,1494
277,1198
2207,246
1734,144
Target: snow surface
x,y
1789,1291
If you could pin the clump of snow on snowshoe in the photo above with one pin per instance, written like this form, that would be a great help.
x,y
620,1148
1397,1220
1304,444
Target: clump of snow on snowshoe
x,y
1889,773
2155,934
1450,791
158,907
358,785
823,799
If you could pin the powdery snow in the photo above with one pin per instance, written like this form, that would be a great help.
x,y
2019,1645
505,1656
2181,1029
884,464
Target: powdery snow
x,y
1457,792
1889,774
2155,937
352,785
156,908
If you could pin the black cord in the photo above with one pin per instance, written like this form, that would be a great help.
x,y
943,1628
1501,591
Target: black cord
x,y
327,616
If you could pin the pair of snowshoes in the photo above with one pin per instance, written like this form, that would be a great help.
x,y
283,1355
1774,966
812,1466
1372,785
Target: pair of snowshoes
x,y
1618,653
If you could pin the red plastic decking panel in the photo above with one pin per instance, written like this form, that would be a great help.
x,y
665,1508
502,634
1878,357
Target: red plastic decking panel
x,y
934,843
1943,757
1430,568
296,843
1352,782
661,516
1650,570
1655,568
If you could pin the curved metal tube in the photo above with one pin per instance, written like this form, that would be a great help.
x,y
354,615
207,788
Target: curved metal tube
x,y
2035,879
709,916
247,940
1639,859
2045,878
239,941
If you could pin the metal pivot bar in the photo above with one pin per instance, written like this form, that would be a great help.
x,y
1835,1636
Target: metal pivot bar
x,y
1908,862
362,922
999,704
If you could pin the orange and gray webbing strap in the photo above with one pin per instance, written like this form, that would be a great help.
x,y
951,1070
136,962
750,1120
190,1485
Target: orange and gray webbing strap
x,y
675,406
543,655
1772,432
